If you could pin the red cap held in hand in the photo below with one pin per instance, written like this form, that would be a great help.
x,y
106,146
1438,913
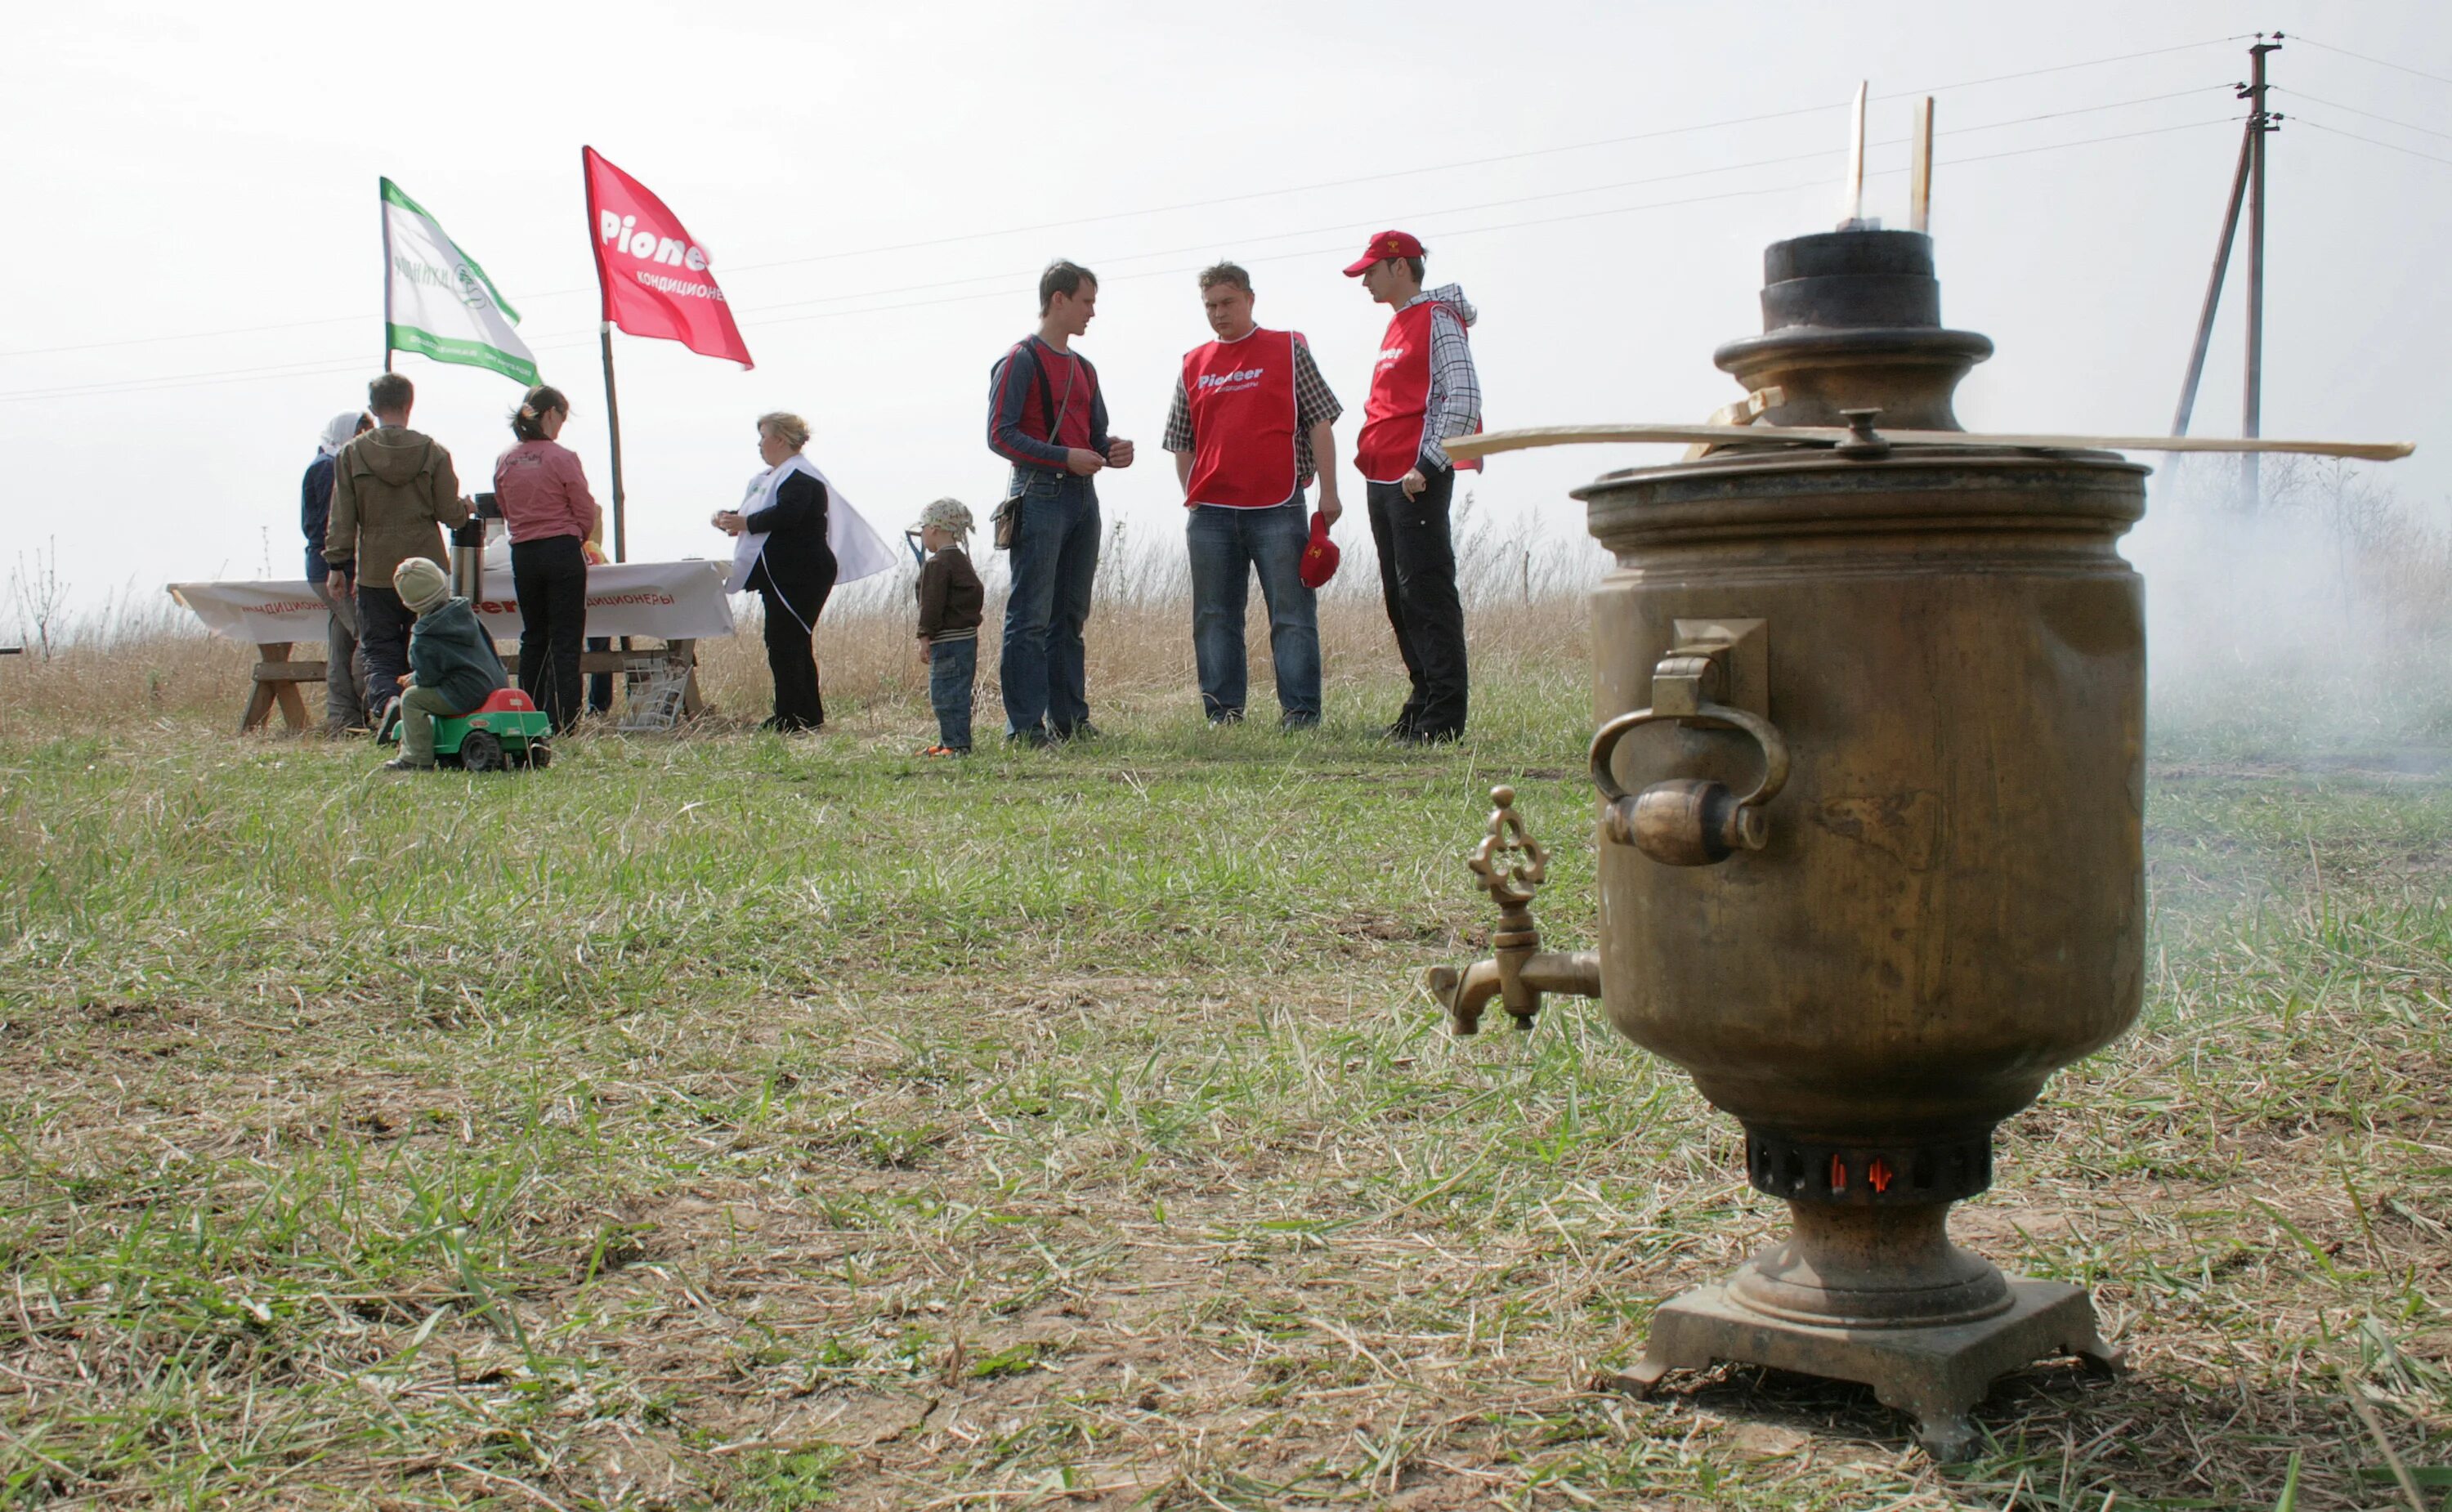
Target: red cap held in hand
x,y
1383,246
1320,558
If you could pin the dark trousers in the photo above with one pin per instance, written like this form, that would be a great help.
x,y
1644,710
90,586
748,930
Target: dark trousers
x,y
953,672
383,640
599,685
550,577
791,651
1417,576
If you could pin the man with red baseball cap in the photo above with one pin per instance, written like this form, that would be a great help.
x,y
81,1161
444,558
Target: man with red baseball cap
x,y
1251,418
1423,391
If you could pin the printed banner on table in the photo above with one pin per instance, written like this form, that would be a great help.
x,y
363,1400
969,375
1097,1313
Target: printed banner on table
x,y
671,600
657,281
439,303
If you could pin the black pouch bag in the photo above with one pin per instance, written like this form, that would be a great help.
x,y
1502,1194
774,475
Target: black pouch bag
x,y
1006,519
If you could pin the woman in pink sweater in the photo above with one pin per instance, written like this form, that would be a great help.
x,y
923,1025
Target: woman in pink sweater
x,y
550,516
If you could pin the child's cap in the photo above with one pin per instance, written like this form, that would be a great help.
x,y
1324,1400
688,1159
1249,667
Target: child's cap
x,y
949,515
421,584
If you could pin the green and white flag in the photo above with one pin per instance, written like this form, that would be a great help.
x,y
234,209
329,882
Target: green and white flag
x,y
439,303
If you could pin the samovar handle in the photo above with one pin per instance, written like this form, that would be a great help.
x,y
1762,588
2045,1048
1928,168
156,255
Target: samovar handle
x,y
1689,821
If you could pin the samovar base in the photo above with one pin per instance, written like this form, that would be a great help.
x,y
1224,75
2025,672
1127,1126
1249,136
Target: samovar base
x,y
1936,1373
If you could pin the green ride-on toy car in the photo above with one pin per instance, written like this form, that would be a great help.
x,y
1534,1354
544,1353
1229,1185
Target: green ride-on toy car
x,y
505,731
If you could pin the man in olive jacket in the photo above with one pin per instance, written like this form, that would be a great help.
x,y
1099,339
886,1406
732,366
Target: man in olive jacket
x,y
393,491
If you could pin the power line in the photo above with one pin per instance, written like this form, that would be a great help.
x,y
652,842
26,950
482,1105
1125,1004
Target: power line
x,y
2064,68
2335,104
2381,63
1345,182
312,366
351,365
2390,147
1511,226
1485,205
2087,141
1505,157
881,248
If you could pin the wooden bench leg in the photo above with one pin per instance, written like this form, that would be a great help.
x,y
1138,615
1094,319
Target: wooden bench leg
x,y
293,709
260,694
275,681
685,652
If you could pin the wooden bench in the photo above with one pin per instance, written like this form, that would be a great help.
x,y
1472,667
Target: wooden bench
x,y
276,679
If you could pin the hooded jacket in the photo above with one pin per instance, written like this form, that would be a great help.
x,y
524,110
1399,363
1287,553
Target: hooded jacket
x,y
450,652
315,515
393,491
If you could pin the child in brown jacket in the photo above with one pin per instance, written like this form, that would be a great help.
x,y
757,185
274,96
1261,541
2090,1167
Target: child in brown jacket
x,y
951,600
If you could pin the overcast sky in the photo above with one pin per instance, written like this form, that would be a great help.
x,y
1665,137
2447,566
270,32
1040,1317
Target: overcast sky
x,y
193,279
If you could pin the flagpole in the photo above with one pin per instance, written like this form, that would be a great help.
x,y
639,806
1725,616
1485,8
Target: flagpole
x,y
382,220
604,335
613,426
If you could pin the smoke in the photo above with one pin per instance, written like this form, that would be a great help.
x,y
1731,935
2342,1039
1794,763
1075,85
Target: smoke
x,y
2315,622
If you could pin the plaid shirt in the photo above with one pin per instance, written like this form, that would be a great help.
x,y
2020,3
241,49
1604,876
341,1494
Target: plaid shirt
x,y
1314,406
1454,406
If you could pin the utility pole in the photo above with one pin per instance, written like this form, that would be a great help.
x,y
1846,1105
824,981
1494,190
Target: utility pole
x,y
2247,186
2260,122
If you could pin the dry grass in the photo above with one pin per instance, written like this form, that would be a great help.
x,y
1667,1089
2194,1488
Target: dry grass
x,y
723,1121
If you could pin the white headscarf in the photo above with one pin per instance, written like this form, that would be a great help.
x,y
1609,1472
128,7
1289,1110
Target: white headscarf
x,y
337,434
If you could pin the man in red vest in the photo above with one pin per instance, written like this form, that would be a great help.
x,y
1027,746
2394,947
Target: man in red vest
x,y
1251,418
1422,391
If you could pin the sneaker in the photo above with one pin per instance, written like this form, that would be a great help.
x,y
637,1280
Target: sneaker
x,y
946,751
1034,737
1291,722
403,764
1084,731
1421,737
1227,717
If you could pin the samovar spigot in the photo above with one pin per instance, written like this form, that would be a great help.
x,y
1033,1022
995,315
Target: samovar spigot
x,y
1510,865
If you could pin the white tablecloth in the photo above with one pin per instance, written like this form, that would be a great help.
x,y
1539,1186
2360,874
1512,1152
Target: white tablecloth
x,y
672,600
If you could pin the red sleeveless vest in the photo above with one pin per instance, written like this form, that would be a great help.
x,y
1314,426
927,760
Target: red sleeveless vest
x,y
1390,445
1244,407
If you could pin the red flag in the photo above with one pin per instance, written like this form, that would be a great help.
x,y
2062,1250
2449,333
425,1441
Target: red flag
x,y
655,280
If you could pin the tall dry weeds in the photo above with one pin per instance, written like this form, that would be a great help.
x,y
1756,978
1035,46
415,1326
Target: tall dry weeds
x,y
137,659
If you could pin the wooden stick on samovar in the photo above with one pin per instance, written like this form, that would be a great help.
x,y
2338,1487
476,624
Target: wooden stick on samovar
x,y
1718,436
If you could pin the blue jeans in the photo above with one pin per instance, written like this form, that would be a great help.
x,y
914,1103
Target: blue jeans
x,y
1055,564
953,666
1228,546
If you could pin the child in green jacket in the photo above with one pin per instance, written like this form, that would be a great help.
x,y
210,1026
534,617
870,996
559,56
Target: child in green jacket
x,y
452,668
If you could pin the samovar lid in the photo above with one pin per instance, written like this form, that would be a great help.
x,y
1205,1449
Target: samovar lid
x,y
1852,320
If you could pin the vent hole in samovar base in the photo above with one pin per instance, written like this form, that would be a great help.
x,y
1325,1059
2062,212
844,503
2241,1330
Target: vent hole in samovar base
x,y
1794,1174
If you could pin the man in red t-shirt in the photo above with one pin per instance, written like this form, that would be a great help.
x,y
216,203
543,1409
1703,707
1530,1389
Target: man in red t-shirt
x,y
1251,418
1047,418
1423,391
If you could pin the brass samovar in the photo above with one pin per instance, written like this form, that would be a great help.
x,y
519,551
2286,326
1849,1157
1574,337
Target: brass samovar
x,y
1871,762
